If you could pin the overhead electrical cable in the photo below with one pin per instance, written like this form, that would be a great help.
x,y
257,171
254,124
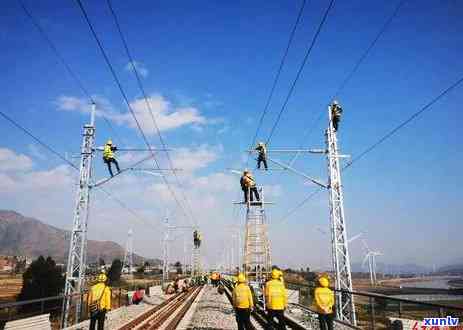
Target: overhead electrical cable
x,y
124,96
68,68
148,106
351,73
277,76
299,72
64,159
403,124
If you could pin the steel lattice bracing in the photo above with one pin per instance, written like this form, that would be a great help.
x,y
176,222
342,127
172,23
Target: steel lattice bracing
x,y
340,253
196,262
78,243
257,261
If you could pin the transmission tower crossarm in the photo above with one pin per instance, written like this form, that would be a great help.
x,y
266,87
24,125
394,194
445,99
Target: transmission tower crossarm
x,y
289,168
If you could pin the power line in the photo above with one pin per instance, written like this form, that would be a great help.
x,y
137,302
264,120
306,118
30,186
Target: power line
x,y
369,48
60,156
148,105
299,72
404,123
68,68
277,77
381,140
118,83
354,69
36,139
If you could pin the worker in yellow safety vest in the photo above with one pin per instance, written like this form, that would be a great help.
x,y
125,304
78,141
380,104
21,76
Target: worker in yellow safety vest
x,y
276,300
324,301
243,303
99,302
108,156
262,155
248,184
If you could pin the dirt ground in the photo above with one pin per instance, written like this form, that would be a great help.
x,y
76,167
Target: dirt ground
x,y
10,286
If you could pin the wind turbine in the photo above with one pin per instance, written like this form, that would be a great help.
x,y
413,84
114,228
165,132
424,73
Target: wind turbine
x,y
371,257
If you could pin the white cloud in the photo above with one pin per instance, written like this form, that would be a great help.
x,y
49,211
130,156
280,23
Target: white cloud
x,y
190,160
11,161
36,152
41,181
167,116
140,67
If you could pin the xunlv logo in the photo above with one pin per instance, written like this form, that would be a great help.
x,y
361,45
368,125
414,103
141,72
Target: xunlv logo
x,y
441,321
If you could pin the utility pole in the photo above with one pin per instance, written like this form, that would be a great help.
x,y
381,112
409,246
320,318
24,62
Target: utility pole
x,y
128,257
165,255
76,261
345,308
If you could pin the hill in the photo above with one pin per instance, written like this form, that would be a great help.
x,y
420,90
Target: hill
x,y
20,235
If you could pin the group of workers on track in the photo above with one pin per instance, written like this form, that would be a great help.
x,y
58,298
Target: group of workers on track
x,y
276,301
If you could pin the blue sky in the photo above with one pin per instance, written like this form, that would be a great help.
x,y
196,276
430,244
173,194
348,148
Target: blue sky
x,y
209,69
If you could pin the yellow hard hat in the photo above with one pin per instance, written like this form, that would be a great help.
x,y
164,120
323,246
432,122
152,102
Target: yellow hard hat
x,y
241,278
275,274
280,273
109,142
102,277
324,280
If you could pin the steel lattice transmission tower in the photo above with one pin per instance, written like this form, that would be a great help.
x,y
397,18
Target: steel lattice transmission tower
x,y
345,308
257,261
75,272
196,261
128,257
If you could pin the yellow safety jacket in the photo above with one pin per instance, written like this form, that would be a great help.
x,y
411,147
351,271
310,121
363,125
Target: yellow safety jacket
x,y
108,152
242,296
324,300
249,181
96,291
275,295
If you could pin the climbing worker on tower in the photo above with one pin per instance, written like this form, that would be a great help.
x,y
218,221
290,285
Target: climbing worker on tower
x,y
108,156
248,184
243,303
99,302
336,112
276,300
262,155
196,239
324,301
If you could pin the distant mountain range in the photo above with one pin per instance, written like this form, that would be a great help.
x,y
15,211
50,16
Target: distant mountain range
x,y
20,235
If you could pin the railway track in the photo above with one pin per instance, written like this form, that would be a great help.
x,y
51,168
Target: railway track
x,y
260,316
166,315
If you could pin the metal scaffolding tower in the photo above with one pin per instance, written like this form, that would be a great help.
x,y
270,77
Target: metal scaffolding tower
x,y
257,262
165,253
128,257
196,262
75,272
345,308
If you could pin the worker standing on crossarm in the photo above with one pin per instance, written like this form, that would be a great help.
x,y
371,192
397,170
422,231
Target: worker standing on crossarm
x,y
250,189
324,301
243,303
276,300
336,112
108,156
99,302
262,155
196,239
